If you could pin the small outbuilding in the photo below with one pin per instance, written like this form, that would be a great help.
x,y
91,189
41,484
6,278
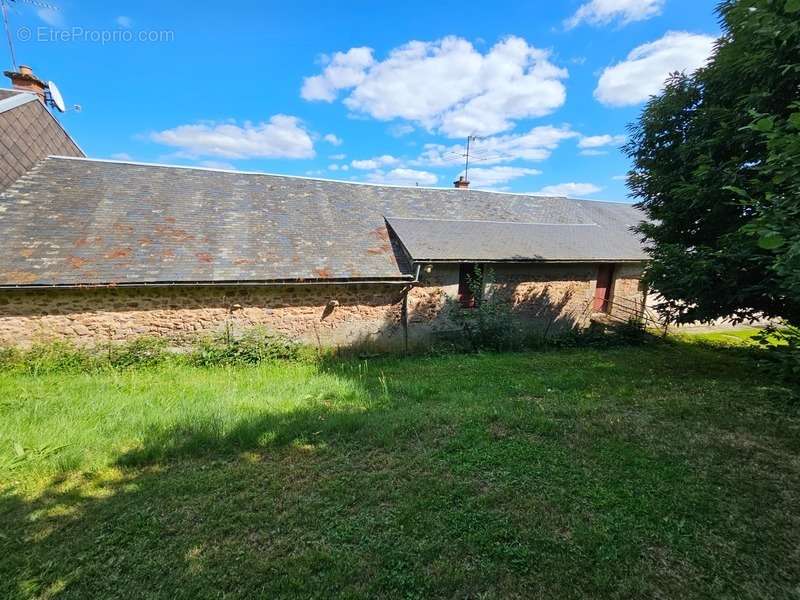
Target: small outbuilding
x,y
95,250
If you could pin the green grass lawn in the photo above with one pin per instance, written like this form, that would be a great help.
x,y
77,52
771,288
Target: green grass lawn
x,y
670,470
739,336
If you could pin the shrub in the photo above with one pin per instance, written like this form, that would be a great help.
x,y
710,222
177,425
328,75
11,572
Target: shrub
x,y
139,352
54,357
632,333
782,356
489,325
598,335
253,347
9,358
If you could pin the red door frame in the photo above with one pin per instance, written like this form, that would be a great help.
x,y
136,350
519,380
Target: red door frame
x,y
605,281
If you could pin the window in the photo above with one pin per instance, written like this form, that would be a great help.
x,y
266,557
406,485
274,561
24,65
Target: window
x,y
470,285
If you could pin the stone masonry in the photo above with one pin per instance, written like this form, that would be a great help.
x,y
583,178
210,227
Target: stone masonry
x,y
328,315
552,296
548,296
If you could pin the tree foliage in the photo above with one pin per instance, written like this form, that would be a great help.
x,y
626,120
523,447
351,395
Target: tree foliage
x,y
716,167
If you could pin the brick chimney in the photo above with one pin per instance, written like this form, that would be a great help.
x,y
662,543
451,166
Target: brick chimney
x,y
461,183
25,81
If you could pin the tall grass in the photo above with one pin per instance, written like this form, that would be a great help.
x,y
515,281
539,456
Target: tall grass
x,y
252,347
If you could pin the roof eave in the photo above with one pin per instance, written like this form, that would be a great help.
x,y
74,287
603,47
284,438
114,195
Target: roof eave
x,y
226,283
531,260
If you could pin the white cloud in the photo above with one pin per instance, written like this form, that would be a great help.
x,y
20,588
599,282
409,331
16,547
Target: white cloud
x,y
51,16
598,141
535,145
400,129
403,177
374,163
597,145
124,22
333,167
483,177
569,189
446,85
619,177
344,70
217,164
282,137
603,12
338,156
121,156
643,72
332,139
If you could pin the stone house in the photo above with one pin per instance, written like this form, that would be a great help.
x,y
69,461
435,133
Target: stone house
x,y
95,250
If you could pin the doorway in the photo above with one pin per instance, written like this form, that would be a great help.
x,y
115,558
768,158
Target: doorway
x,y
602,293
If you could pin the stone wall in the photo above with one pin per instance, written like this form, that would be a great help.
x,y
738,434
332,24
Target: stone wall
x,y
551,296
627,293
329,315
548,296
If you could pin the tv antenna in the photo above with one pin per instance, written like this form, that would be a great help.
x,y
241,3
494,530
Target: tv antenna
x,y
5,6
470,138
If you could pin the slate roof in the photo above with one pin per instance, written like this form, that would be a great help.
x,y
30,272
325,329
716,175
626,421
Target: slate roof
x,y
28,133
89,222
428,240
4,93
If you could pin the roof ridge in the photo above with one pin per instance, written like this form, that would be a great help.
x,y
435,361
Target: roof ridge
x,y
327,180
592,224
16,100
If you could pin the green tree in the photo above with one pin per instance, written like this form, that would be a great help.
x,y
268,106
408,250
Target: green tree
x,y
716,168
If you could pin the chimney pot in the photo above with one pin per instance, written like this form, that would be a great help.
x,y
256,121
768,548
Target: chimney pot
x,y
461,183
25,81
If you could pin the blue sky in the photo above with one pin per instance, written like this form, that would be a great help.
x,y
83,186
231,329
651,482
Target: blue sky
x,y
368,91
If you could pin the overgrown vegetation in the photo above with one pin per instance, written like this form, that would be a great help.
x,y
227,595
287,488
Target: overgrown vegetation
x,y
784,355
666,470
253,347
250,347
717,169
489,325
493,325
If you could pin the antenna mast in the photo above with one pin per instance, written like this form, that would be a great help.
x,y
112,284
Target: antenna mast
x,y
470,138
8,34
5,6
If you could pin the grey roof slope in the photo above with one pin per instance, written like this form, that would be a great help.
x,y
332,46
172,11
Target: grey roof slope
x,y
7,93
480,241
88,222
28,133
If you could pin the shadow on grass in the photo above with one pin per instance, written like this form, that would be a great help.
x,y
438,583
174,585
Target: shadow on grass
x,y
303,426
388,500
